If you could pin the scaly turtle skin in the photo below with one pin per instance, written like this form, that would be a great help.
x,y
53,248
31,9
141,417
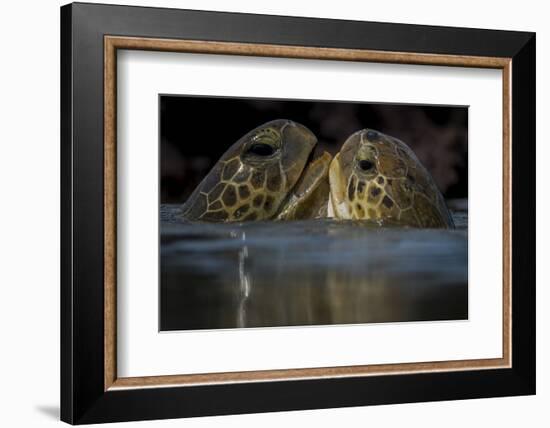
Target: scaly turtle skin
x,y
262,176
378,177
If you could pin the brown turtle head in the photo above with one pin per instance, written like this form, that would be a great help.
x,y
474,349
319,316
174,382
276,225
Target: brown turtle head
x,y
378,177
254,176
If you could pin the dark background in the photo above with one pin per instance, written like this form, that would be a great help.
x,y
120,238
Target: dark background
x,y
196,131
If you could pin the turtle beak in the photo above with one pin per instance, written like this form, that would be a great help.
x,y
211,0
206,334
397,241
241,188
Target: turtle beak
x,y
298,135
336,177
298,142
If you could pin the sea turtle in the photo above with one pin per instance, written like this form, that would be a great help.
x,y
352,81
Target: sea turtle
x,y
269,173
378,177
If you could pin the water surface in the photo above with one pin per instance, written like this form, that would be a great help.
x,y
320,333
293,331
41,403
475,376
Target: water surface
x,y
315,272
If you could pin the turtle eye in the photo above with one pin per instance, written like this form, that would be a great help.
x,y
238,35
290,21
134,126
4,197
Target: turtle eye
x,y
261,149
366,165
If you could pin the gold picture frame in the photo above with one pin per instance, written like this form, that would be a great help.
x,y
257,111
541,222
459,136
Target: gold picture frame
x,y
114,43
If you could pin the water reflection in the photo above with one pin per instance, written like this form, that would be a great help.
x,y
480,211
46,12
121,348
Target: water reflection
x,y
310,272
244,282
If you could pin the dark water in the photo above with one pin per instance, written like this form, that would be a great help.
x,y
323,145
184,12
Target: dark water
x,y
266,274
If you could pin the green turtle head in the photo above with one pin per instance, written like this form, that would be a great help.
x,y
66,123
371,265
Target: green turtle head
x,y
378,177
254,176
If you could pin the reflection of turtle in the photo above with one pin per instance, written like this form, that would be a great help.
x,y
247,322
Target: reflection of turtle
x,y
267,174
378,177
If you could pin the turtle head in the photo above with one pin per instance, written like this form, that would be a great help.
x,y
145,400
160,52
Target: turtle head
x,y
359,173
254,176
378,177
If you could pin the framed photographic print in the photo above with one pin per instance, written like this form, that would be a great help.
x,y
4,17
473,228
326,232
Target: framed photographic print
x,y
265,213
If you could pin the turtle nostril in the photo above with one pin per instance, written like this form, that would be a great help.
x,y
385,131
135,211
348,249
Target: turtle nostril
x,y
366,165
372,135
